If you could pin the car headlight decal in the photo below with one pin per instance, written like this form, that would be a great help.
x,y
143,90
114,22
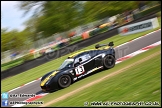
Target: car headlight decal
x,y
48,78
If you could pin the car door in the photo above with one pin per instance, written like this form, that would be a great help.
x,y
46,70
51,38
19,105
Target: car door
x,y
96,56
85,64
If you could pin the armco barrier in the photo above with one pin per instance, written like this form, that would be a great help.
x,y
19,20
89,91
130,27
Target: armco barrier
x,y
66,50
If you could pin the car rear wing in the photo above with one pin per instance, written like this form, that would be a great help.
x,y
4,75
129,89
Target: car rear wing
x,y
101,45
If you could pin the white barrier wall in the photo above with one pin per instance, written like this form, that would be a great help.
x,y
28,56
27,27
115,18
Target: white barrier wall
x,y
139,27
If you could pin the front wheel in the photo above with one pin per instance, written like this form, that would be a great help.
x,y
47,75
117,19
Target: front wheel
x,y
109,61
64,81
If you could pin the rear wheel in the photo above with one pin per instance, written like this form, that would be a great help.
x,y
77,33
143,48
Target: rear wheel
x,y
64,81
109,61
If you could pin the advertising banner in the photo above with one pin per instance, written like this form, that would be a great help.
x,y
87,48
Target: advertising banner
x,y
139,27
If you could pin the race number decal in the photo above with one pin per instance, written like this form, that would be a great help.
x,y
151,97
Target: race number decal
x,y
79,70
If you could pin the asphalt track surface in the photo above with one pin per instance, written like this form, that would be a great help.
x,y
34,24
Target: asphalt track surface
x,y
34,88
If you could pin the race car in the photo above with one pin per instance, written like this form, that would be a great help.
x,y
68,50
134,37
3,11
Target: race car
x,y
79,65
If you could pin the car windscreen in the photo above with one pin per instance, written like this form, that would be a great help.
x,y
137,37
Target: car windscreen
x,y
67,63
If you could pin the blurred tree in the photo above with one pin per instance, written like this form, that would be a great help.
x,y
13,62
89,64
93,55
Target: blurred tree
x,y
31,25
59,16
4,39
152,3
106,8
56,16
29,5
13,39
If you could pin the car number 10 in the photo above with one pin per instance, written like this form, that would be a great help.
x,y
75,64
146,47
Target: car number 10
x,y
79,70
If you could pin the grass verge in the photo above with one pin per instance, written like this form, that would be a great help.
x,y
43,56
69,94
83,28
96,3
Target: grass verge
x,y
11,64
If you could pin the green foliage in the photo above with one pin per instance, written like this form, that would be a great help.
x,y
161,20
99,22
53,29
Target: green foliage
x,y
145,12
58,16
159,14
152,3
28,5
107,8
14,39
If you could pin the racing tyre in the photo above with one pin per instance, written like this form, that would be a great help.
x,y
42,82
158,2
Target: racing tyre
x,y
109,61
64,81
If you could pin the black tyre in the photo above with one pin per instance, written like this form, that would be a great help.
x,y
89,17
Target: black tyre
x,y
109,61
64,81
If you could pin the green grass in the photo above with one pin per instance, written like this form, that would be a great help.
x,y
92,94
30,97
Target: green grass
x,y
16,62
8,63
139,83
39,71
11,64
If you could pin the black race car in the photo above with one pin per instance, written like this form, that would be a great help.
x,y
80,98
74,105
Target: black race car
x,y
79,65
